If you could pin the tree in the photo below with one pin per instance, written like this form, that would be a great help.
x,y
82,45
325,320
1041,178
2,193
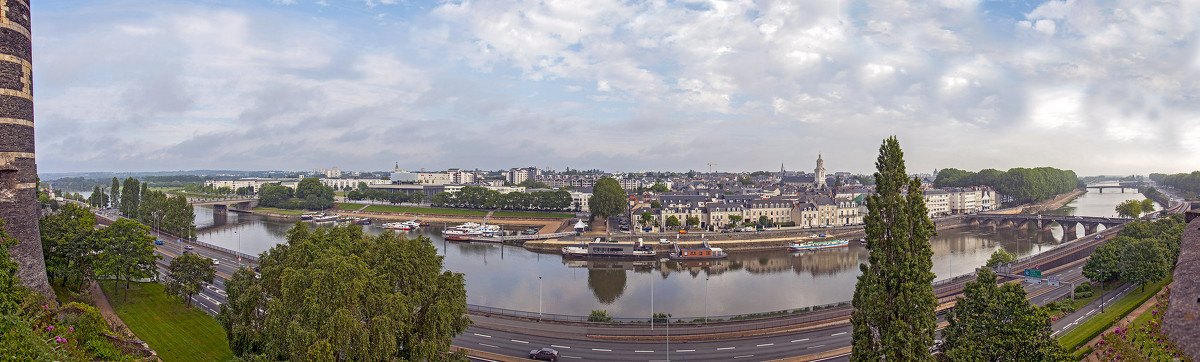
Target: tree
x,y
1129,208
659,187
734,220
692,221
608,199
375,298
130,198
764,221
1104,263
654,204
116,193
127,251
647,218
69,243
1143,261
187,274
1147,205
997,323
673,221
893,301
999,257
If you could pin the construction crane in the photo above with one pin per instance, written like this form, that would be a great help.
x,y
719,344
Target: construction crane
x,y
710,165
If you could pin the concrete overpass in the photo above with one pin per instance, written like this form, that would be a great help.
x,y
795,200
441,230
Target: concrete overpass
x,y
1122,185
1044,222
222,205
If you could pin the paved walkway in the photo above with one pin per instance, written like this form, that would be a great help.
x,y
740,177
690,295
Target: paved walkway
x,y
106,310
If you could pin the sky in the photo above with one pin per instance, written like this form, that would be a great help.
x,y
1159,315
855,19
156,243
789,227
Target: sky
x,y
1099,87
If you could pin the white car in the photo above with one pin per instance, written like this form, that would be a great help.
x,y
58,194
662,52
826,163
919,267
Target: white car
x,y
215,261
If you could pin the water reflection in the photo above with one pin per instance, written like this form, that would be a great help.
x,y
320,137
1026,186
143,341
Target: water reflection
x,y
746,282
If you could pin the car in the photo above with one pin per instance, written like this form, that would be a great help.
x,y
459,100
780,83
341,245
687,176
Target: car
x,y
215,261
822,235
548,354
663,241
158,242
188,247
683,231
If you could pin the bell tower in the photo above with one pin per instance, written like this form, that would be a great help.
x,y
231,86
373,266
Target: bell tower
x,y
819,172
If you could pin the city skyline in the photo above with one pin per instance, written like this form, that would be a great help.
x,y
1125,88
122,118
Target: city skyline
x,y
293,84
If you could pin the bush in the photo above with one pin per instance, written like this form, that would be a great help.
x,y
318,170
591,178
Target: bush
x,y
1085,287
599,316
102,349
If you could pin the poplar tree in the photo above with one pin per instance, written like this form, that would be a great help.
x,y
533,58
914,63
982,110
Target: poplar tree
x,y
116,193
893,302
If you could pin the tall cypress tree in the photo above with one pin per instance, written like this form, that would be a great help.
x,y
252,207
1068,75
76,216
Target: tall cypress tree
x,y
116,193
893,301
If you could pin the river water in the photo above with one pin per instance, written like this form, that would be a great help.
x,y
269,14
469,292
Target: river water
x,y
510,277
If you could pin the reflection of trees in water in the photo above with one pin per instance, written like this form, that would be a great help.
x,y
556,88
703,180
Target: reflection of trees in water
x,y
828,261
607,285
475,248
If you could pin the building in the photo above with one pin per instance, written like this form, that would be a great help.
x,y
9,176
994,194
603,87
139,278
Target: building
x,y
254,183
19,207
342,183
519,175
819,172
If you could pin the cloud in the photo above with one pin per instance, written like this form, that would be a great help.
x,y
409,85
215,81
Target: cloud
x,y
614,85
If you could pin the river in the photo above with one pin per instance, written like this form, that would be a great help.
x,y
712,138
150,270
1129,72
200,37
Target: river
x,y
511,277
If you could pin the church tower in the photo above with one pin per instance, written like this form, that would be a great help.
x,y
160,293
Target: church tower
x,y
819,172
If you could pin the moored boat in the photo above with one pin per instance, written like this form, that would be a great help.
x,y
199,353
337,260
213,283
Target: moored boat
x,y
600,248
703,252
815,245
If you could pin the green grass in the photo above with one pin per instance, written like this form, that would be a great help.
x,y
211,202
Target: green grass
x,y
464,212
280,211
349,206
165,323
425,210
1097,324
558,215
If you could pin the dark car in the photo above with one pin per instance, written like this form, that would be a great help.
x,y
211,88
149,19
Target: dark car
x,y
544,353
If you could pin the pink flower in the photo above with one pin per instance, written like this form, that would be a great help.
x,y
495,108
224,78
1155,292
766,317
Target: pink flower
x,y
50,329
60,339
70,329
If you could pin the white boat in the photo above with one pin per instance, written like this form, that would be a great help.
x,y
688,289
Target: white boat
x,y
815,245
599,248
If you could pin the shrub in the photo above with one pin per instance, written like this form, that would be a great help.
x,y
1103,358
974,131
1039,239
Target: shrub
x,y
599,315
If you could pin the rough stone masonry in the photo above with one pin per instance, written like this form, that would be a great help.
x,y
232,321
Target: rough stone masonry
x,y
19,208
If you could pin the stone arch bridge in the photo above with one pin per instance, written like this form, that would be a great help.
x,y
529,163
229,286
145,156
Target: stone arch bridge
x,y
223,205
1044,222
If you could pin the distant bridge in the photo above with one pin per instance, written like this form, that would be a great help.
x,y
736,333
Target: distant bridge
x,y
222,205
1044,222
1122,185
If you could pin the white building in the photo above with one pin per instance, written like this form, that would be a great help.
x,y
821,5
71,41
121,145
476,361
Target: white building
x,y
519,175
253,182
341,183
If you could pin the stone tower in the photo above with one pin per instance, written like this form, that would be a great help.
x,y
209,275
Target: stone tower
x,y
819,172
18,174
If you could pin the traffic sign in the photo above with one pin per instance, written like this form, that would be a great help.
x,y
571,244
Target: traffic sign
x,y
1033,273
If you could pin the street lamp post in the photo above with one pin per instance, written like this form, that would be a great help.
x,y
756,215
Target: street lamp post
x,y
706,300
539,298
652,299
239,248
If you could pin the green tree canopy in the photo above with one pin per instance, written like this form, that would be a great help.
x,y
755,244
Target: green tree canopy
x,y
341,294
999,257
672,221
894,304
608,198
1129,208
1143,261
997,323
692,221
1023,184
187,274
1147,205
127,251
659,187
69,243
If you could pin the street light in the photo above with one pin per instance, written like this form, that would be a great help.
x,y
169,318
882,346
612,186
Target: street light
x,y
706,300
539,298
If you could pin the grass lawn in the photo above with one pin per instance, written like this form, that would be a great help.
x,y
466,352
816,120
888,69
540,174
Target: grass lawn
x,y
1113,312
464,212
425,210
349,206
558,215
280,211
172,330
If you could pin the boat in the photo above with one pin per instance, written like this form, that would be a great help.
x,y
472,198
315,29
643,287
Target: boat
x,y
815,245
600,248
703,252
463,232
310,215
361,221
324,218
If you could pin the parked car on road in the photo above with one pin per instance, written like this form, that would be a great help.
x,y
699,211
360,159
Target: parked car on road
x,y
544,354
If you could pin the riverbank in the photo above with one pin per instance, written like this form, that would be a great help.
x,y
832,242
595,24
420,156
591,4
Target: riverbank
x,y
546,225
1055,203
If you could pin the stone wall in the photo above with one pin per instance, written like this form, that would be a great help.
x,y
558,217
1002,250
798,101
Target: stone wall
x,y
1182,322
19,208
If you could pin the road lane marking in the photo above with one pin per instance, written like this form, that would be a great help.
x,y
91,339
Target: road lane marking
x,y
765,344
800,340
838,334
555,345
483,335
518,341
743,356
601,350
485,344
725,348
571,357
643,351
685,350
819,345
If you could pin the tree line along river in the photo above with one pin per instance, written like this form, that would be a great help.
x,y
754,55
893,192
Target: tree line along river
x,y
510,277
